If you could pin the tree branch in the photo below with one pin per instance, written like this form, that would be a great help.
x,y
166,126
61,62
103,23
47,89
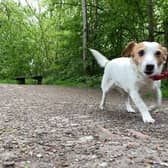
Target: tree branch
x,y
71,4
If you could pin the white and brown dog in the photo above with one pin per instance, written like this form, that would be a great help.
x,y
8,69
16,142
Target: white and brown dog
x,y
133,71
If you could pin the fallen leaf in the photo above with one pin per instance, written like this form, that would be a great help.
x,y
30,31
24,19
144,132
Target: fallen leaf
x,y
157,146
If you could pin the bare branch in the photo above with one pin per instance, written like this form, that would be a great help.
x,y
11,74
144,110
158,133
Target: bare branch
x,y
70,4
85,28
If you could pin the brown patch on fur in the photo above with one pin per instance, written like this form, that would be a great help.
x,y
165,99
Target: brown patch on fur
x,y
127,52
132,50
136,57
163,57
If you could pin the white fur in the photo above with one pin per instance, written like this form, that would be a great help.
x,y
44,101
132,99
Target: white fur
x,y
124,73
101,60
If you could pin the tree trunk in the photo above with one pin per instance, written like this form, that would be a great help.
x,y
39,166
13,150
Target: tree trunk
x,y
165,25
95,30
166,35
38,6
95,22
166,32
85,29
150,20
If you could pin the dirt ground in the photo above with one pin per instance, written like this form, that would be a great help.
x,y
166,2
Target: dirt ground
x,y
56,127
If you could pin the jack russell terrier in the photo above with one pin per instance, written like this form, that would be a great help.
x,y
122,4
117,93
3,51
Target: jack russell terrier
x,y
131,72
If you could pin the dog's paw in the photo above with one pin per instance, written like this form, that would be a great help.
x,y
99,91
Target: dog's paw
x,y
153,108
130,109
102,107
158,110
148,119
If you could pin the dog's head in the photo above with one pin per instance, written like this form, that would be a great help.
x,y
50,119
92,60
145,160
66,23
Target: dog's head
x,y
148,56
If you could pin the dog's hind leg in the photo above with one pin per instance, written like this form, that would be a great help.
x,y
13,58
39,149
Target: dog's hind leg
x,y
106,85
158,93
129,107
103,100
159,96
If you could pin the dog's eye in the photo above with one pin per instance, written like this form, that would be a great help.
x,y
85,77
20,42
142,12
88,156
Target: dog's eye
x,y
141,53
158,53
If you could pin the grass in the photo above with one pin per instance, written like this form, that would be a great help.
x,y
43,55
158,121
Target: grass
x,y
67,83
82,82
165,88
48,81
7,81
10,81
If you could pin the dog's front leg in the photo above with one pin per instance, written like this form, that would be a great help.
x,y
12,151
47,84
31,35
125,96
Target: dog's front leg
x,y
141,107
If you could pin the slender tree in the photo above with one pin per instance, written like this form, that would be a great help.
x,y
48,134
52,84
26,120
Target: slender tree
x,y
150,20
85,28
96,21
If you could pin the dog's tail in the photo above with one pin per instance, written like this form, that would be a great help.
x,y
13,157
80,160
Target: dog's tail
x,y
102,60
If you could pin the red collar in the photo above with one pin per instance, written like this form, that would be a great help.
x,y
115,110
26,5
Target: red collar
x,y
160,76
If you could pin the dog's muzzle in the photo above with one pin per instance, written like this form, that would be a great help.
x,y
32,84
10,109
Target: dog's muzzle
x,y
149,69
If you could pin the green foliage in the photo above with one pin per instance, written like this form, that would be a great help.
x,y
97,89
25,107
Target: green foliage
x,y
165,88
49,42
83,81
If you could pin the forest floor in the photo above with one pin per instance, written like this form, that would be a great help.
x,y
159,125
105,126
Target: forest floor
x,y
56,127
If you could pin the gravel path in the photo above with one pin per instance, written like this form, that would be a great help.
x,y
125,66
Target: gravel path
x,y
56,127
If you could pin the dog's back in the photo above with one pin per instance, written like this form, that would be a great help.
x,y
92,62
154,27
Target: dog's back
x,y
122,71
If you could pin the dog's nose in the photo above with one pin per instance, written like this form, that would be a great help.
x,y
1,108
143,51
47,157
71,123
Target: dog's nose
x,y
149,67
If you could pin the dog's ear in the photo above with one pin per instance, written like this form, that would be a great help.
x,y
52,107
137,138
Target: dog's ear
x,y
164,49
128,51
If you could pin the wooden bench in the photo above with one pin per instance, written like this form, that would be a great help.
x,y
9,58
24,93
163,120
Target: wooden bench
x,y
20,79
39,79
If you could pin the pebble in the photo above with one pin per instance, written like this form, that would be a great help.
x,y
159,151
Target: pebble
x,y
69,144
103,164
86,139
8,145
131,145
8,159
8,156
10,164
94,157
61,154
74,125
39,155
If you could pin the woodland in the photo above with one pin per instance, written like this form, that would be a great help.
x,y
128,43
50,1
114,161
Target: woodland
x,y
52,38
